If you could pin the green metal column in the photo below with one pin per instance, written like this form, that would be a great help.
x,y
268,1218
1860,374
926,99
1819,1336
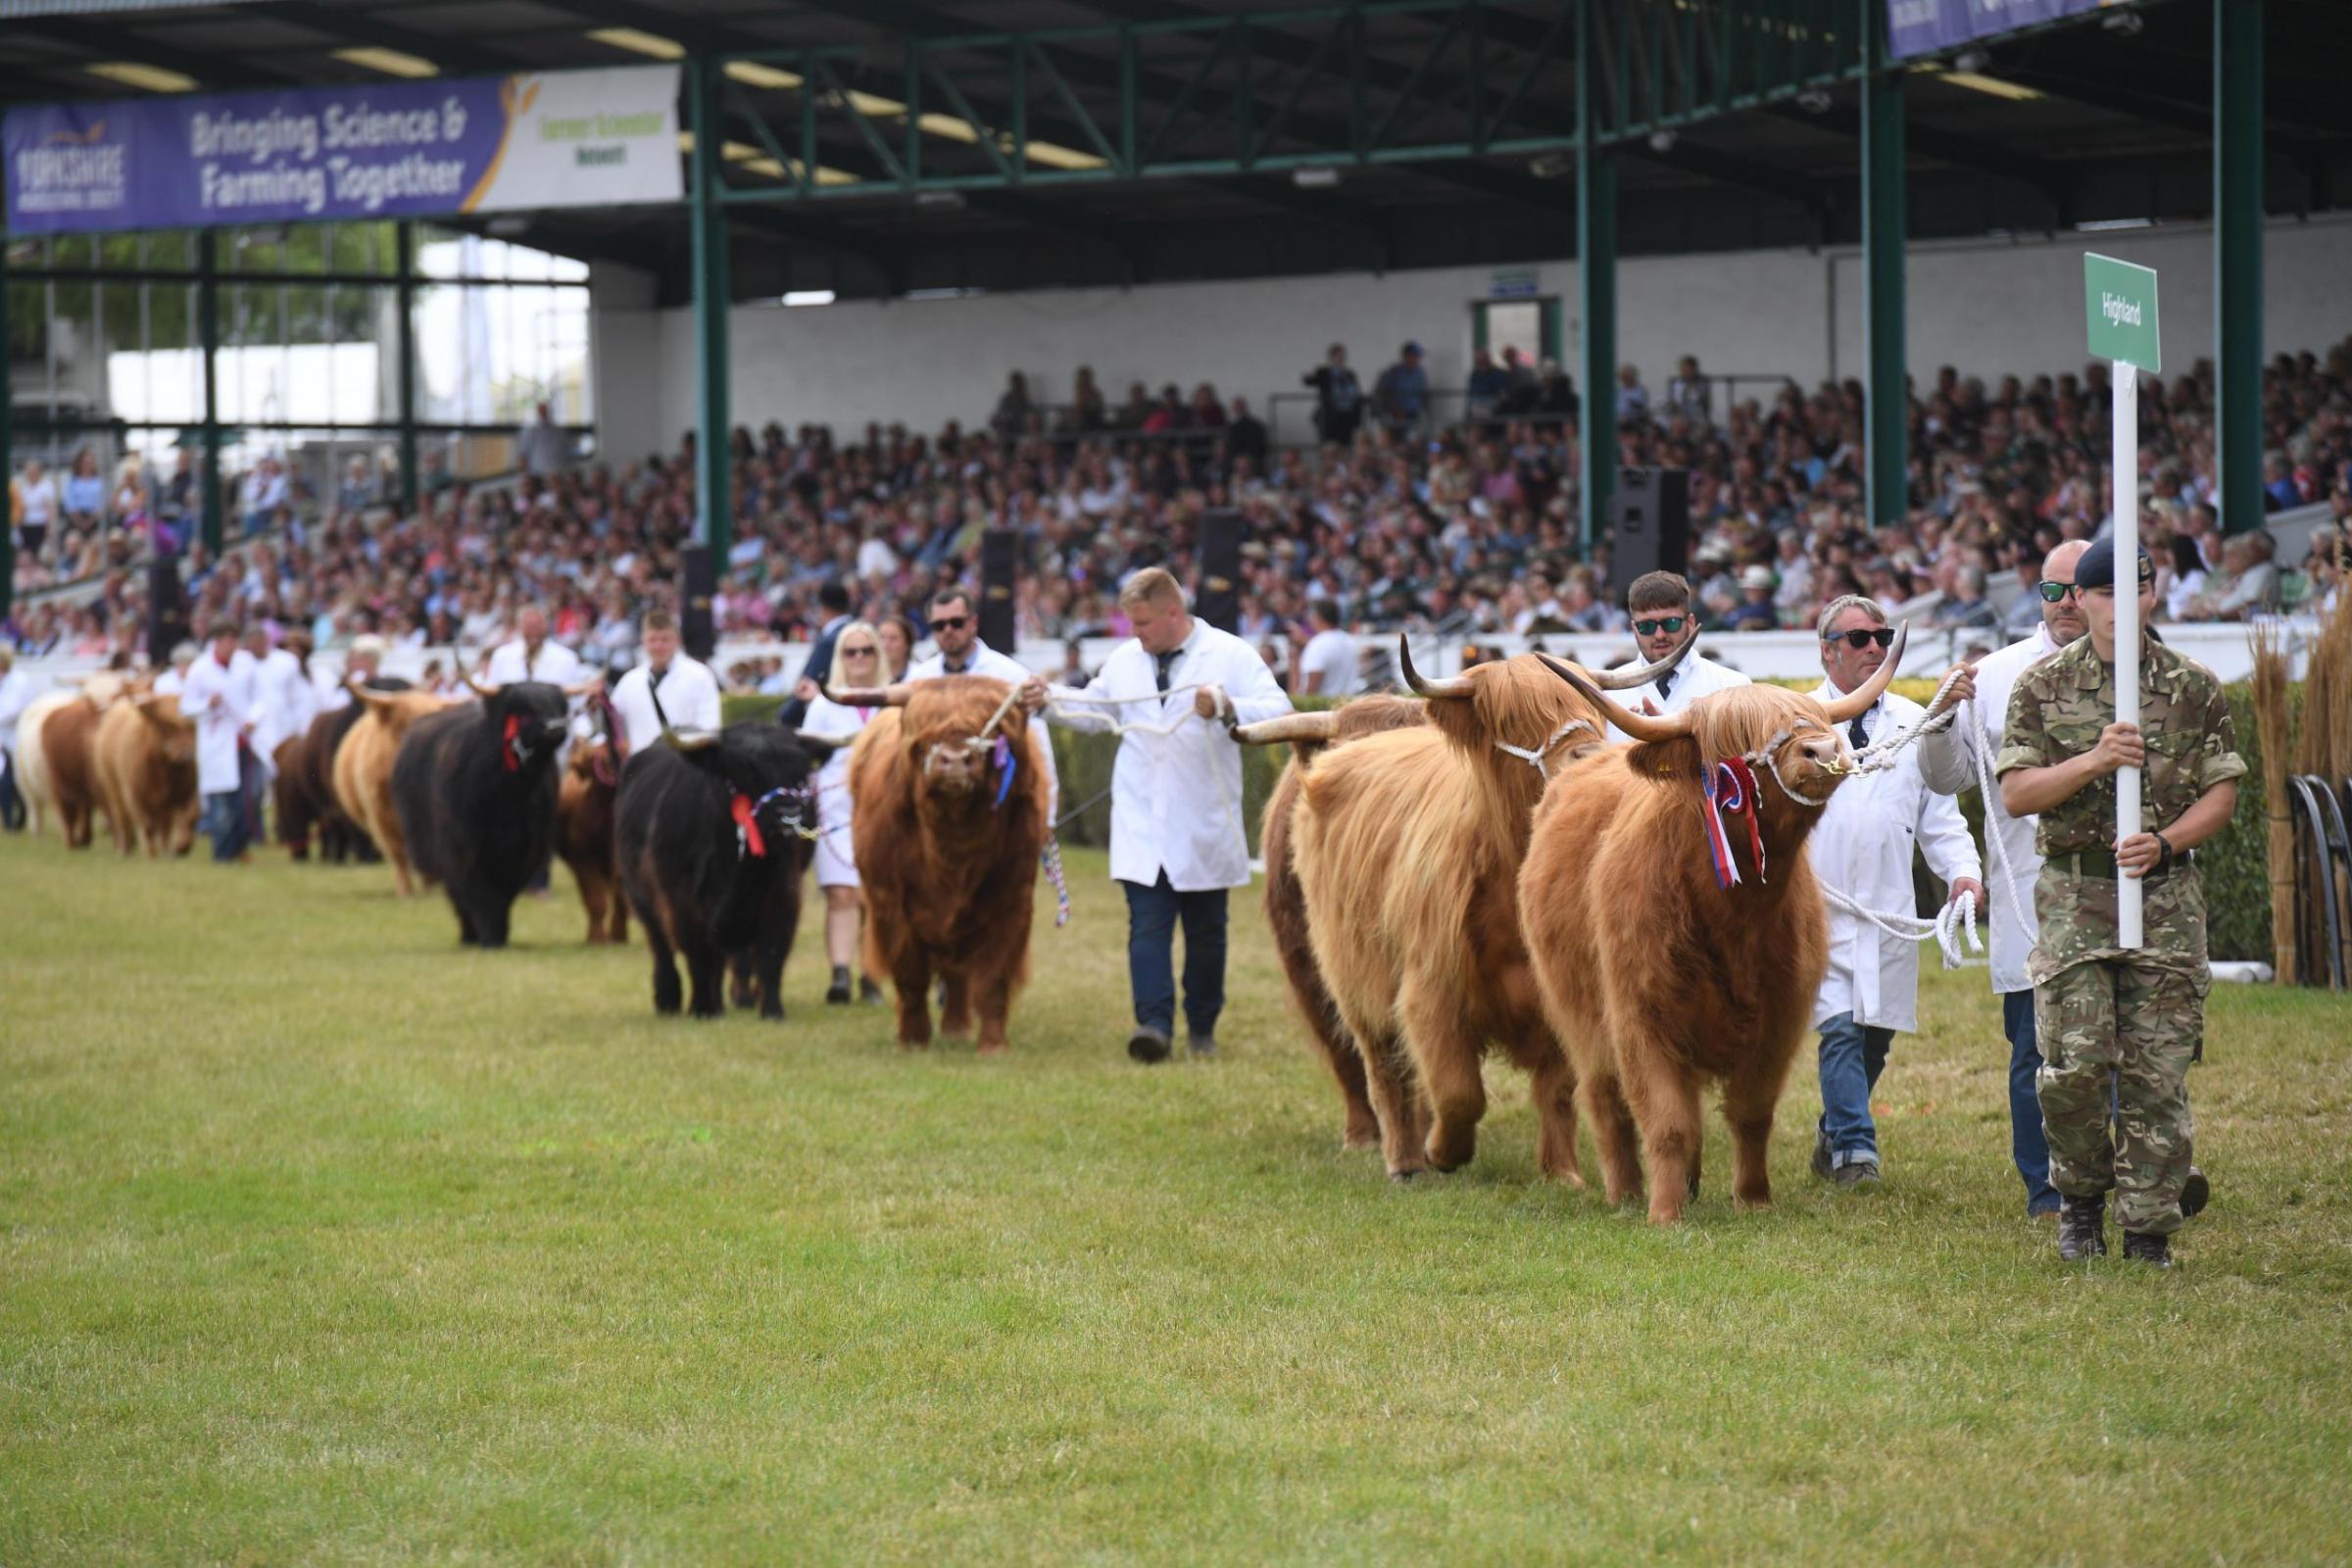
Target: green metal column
x,y
1884,229
207,330
711,291
8,458
1595,287
403,247
2237,168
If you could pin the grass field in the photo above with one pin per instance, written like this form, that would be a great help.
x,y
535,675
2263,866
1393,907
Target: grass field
x,y
326,1241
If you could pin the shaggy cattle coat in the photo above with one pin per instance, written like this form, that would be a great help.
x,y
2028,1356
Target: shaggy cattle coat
x,y
1285,900
714,883
1660,981
946,848
1408,847
474,787
144,758
363,768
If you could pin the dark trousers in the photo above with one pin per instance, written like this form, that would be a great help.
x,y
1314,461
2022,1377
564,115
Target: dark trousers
x,y
12,804
1852,1056
234,817
1153,913
2027,1145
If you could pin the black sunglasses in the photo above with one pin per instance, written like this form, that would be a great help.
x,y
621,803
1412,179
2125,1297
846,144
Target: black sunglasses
x,y
2052,592
949,622
1668,624
1859,638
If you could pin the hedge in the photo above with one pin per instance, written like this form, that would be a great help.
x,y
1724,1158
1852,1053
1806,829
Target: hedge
x,y
2236,863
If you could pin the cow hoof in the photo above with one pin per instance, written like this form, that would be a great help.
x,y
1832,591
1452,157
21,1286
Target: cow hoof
x,y
915,1044
1403,1176
996,1050
774,1014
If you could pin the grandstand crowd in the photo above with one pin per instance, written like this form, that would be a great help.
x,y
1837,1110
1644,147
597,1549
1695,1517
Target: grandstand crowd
x,y
1468,527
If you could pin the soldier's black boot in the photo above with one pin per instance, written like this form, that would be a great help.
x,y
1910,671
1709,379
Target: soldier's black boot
x,y
2082,1229
2149,1248
2195,1193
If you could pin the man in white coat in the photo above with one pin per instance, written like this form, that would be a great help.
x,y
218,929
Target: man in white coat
x,y
1660,603
16,692
1947,761
219,692
667,687
285,701
533,655
1177,843
956,633
362,662
1862,848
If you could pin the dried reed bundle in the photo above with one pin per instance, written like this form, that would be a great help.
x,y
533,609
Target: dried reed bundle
x,y
2271,720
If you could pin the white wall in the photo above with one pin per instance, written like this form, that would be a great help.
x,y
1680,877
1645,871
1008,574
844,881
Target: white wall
x,y
1987,308
625,347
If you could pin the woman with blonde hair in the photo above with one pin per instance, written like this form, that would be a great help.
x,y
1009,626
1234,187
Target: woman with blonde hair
x,y
858,663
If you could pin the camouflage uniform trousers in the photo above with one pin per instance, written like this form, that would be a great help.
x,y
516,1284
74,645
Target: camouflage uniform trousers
x,y
2136,1020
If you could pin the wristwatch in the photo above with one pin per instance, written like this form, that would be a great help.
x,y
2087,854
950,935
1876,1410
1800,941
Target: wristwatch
x,y
2164,858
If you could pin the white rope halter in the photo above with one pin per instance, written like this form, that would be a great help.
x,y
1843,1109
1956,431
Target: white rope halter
x,y
1534,755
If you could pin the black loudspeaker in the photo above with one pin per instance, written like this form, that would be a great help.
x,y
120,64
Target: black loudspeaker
x,y
1217,597
1649,517
167,612
1000,560
696,628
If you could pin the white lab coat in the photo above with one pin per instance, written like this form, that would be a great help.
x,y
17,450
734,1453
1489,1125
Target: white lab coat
x,y
16,692
836,855
170,683
1694,678
222,701
1176,799
1862,847
556,664
986,661
286,704
1946,760
689,695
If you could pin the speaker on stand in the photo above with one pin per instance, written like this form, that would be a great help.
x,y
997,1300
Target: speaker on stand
x,y
697,628
1000,563
167,612
1217,596
1649,521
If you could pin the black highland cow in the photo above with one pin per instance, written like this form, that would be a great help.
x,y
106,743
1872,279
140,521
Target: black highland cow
x,y
475,790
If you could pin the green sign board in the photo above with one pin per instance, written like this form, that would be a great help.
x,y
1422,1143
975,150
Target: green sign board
x,y
2119,307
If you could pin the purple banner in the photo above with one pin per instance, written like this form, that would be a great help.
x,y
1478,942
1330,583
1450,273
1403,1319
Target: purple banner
x,y
1922,26
402,149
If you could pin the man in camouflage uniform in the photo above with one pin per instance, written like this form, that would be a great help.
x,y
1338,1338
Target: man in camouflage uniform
x,y
2134,1018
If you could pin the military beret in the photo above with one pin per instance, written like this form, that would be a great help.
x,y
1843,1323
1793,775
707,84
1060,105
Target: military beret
x,y
2096,568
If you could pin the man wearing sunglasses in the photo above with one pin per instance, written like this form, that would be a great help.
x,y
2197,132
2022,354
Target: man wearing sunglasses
x,y
1947,760
1863,847
2119,1022
956,633
1660,604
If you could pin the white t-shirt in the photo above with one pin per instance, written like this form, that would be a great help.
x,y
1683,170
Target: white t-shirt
x,y
41,501
1332,656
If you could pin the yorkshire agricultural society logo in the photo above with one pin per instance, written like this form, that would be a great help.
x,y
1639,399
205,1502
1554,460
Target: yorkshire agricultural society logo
x,y
73,172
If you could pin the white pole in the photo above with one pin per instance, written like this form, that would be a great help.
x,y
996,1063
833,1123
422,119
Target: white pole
x,y
2124,380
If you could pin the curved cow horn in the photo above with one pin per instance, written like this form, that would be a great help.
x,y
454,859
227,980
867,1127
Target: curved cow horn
x,y
369,694
479,689
1628,676
691,740
826,744
1451,686
1640,726
1854,703
894,695
1315,726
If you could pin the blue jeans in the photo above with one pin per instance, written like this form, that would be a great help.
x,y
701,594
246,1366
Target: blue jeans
x,y
1153,913
1851,1059
2027,1143
224,821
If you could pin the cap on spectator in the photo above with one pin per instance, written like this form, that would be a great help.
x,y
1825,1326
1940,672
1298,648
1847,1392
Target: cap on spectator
x,y
1411,349
366,644
2096,568
1756,577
